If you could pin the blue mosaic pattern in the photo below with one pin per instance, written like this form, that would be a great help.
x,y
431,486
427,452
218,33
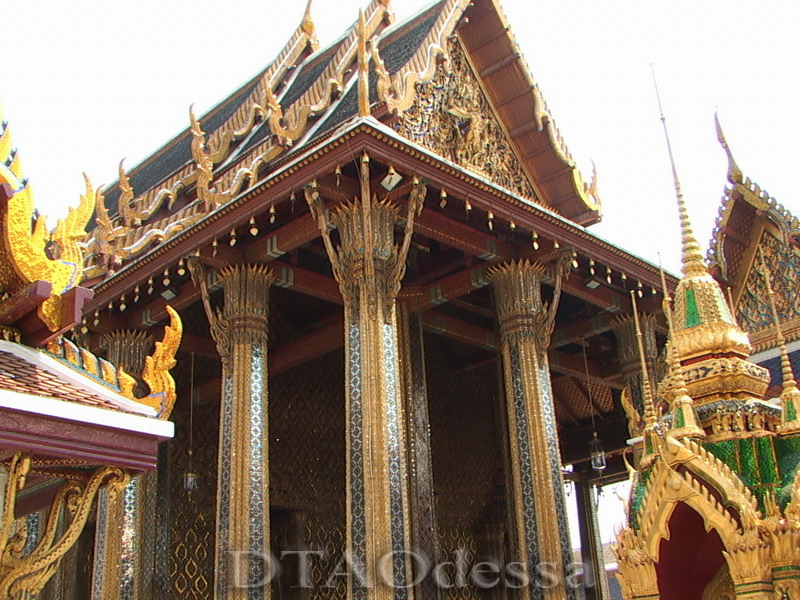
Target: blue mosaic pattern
x,y
554,458
258,458
130,542
525,467
224,489
358,523
98,568
389,363
32,524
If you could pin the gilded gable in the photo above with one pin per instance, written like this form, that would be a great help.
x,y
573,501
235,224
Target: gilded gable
x,y
452,117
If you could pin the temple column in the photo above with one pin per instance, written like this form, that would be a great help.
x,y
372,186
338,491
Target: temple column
x,y
242,569
124,538
591,542
541,536
369,266
424,532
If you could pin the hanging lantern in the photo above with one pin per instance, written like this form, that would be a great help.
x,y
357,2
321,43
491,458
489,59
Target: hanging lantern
x,y
597,455
190,478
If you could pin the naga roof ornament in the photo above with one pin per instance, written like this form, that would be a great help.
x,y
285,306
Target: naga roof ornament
x,y
29,252
156,373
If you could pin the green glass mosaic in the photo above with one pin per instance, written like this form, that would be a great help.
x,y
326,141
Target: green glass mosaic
x,y
749,472
637,498
766,456
726,452
692,314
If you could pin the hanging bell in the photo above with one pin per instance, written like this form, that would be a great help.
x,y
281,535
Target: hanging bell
x,y
232,241
166,280
253,228
181,268
272,212
490,220
443,198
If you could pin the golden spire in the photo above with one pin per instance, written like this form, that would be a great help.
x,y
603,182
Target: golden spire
x,y
650,417
790,395
734,172
363,66
691,256
684,418
703,324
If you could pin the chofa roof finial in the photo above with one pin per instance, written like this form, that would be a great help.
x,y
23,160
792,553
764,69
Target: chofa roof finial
x,y
734,172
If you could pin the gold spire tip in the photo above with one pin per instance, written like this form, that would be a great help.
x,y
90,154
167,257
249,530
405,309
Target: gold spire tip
x,y
691,255
647,390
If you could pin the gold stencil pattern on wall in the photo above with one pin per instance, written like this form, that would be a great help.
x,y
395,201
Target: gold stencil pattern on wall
x,y
466,441
307,464
192,526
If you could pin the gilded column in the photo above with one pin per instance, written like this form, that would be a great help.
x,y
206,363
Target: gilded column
x,y
123,556
242,569
369,266
424,533
594,565
539,510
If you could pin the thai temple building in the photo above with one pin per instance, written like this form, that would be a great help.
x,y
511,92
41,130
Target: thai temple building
x,y
350,336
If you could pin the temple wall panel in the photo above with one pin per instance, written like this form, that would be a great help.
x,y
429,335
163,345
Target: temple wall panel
x,y
467,453
307,469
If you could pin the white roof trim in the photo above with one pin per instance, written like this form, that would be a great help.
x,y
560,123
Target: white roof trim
x,y
72,411
69,375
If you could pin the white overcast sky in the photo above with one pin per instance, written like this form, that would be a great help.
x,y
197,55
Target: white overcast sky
x,y
88,82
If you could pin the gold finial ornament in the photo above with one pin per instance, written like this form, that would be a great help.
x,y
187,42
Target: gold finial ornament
x,y
307,24
735,174
363,66
33,253
156,370
790,395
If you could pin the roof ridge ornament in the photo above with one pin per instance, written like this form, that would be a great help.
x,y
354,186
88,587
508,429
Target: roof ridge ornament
x,y
307,24
735,174
363,67
33,252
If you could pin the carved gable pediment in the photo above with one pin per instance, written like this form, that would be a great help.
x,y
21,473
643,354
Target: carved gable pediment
x,y
752,310
452,116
